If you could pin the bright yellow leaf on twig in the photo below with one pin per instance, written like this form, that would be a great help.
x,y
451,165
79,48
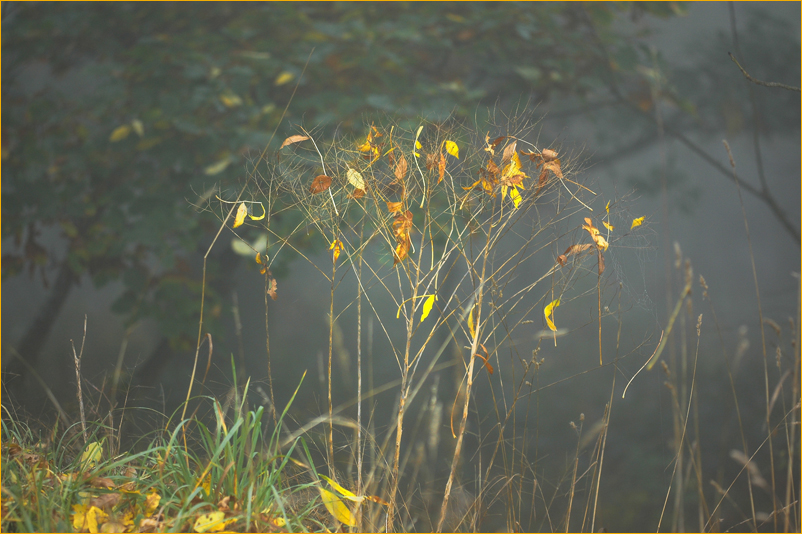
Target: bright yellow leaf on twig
x,y
548,312
242,211
337,247
427,307
452,148
637,222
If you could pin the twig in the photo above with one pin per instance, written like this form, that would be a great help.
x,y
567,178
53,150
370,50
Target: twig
x,y
760,82
78,378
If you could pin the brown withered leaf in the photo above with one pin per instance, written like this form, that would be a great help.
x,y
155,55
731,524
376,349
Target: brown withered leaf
x,y
101,482
601,261
106,501
562,259
401,168
431,161
293,139
320,184
402,248
271,290
394,207
357,194
402,224
509,150
441,167
548,154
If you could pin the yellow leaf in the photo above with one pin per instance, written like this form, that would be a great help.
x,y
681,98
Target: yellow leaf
x,y
355,179
607,207
337,508
207,481
136,124
230,100
152,502
341,489
217,168
548,313
264,212
427,307
242,211
337,247
608,226
515,196
470,324
212,522
452,148
91,455
120,133
258,258
284,77
88,519
279,522
637,222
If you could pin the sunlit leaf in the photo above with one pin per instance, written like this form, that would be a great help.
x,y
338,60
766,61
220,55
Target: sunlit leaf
x,y
212,522
607,207
599,239
293,139
283,78
217,168
91,455
515,196
471,328
138,127
88,518
427,306
400,168
120,133
485,358
402,249
242,211
357,194
337,508
549,315
320,184
152,503
344,492
452,148
355,179
608,226
441,168
337,247
637,222
509,150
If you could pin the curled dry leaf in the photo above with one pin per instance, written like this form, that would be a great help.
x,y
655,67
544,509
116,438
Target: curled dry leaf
x,y
400,168
562,259
293,139
320,184
548,154
271,290
509,150
441,167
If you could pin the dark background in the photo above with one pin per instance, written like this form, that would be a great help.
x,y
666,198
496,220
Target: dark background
x,y
108,228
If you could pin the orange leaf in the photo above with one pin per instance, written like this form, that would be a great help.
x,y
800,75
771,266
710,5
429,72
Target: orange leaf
x,y
293,139
337,247
441,167
487,363
320,184
394,207
402,249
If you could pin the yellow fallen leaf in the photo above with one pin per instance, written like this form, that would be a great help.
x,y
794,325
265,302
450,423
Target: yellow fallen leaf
x,y
217,168
242,211
284,77
345,493
337,508
120,133
427,307
152,503
88,519
212,522
452,148
548,313
637,222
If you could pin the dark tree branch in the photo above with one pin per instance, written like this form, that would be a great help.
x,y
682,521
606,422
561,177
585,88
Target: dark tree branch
x,y
760,82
